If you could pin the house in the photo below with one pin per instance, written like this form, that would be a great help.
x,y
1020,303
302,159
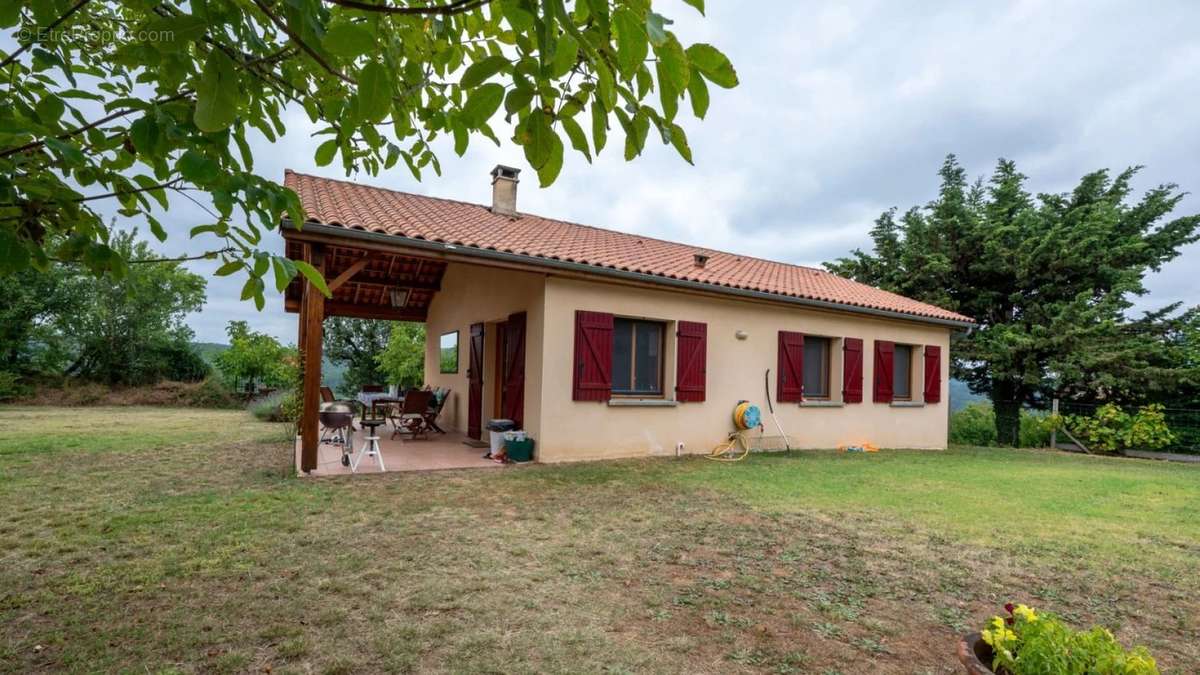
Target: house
x,y
605,344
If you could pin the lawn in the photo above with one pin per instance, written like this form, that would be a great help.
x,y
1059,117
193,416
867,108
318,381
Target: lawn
x,y
176,541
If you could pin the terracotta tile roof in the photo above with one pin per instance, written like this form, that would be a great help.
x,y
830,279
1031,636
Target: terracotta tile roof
x,y
350,205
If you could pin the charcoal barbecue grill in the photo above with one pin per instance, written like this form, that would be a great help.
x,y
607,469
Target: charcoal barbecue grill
x,y
337,420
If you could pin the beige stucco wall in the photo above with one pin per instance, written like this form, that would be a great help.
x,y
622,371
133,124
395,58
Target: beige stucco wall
x,y
573,430
472,294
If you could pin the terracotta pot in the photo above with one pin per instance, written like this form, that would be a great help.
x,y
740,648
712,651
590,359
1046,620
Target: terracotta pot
x,y
975,655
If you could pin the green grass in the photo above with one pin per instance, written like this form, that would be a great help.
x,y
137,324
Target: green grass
x,y
177,541
1118,512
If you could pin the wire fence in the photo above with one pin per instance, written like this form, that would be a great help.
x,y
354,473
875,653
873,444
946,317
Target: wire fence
x,y
1184,423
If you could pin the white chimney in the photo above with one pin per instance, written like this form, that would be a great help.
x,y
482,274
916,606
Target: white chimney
x,y
504,190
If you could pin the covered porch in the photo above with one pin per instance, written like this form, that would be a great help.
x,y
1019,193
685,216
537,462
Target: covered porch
x,y
374,279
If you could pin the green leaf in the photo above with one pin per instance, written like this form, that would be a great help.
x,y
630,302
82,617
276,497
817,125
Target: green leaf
x,y
374,92
656,28
632,42
196,168
667,92
578,138
253,288
537,139
673,64
599,126
462,138
698,4
159,194
518,98
65,151
553,166
144,133
217,93
698,93
314,277
49,109
174,33
229,268
566,54
635,136
285,271
713,64
348,40
482,104
326,152
517,17
679,140
477,73
607,87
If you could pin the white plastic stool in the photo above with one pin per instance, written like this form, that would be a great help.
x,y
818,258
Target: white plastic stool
x,y
370,447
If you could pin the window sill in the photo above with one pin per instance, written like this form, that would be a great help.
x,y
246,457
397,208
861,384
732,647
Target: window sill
x,y
908,404
641,403
821,404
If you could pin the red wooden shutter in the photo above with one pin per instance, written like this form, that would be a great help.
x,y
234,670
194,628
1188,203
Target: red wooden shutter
x,y
691,353
933,374
513,397
884,358
790,378
852,374
593,356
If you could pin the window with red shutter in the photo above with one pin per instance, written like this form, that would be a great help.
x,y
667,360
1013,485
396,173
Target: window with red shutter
x,y
933,374
884,354
592,379
852,370
790,378
691,369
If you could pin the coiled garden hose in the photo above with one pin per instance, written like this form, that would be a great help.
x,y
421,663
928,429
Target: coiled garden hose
x,y
746,416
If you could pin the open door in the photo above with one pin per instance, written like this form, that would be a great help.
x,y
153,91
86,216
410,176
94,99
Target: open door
x,y
512,396
475,383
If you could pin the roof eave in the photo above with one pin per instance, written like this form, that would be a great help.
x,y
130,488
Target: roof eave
x,y
537,261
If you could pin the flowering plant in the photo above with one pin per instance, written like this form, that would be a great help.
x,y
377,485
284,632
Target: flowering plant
x,y
1027,642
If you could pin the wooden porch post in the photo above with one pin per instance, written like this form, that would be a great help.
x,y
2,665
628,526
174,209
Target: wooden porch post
x,y
312,315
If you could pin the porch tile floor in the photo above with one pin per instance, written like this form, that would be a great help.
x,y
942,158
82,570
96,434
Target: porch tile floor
x,y
439,451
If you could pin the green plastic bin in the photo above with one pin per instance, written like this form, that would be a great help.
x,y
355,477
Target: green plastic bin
x,y
519,451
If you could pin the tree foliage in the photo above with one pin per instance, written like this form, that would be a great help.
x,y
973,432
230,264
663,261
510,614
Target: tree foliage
x,y
1049,280
116,330
357,344
133,101
256,359
403,361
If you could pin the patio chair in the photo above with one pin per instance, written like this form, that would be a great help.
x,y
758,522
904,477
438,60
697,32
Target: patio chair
x,y
410,418
435,408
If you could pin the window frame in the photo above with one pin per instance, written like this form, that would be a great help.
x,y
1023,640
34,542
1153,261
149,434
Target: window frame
x,y
896,350
662,358
827,369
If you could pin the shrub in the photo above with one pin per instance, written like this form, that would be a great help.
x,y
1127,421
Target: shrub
x,y
211,393
1111,429
11,386
1028,642
280,406
975,424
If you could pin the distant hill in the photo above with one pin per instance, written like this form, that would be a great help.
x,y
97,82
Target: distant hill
x,y
331,374
961,396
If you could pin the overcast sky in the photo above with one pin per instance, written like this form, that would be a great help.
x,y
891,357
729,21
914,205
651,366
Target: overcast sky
x,y
846,109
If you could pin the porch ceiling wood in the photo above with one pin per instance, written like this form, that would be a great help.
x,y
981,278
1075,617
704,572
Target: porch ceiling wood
x,y
365,293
